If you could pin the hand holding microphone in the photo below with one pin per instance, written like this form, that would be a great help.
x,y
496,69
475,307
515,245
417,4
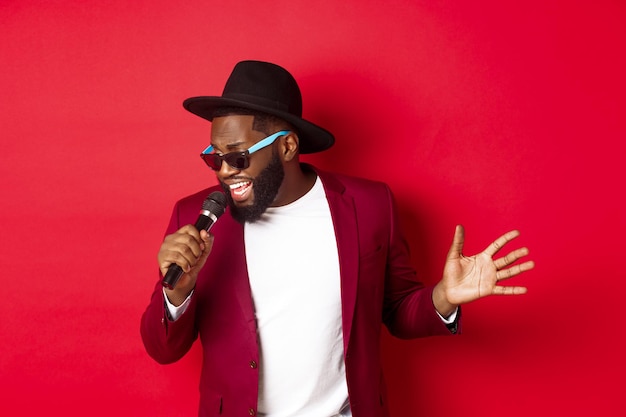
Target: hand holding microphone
x,y
187,249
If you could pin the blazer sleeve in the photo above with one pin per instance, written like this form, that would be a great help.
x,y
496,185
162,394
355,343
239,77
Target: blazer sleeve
x,y
167,341
408,310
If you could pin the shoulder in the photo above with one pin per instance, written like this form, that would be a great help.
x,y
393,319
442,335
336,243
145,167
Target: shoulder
x,y
195,200
354,186
187,208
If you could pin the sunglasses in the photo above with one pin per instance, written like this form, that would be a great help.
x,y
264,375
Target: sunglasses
x,y
240,159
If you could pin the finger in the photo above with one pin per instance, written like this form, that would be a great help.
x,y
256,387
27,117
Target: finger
x,y
456,249
502,290
184,242
206,236
166,264
187,230
208,245
500,242
514,270
510,258
183,259
190,231
180,249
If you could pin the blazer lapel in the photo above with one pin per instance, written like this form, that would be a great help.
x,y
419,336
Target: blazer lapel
x,y
234,232
346,232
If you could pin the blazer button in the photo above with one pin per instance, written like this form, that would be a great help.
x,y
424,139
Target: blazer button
x,y
252,412
253,364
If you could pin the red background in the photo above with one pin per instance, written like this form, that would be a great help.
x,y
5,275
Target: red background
x,y
491,115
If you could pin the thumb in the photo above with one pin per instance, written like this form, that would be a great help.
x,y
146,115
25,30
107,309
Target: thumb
x,y
456,249
207,244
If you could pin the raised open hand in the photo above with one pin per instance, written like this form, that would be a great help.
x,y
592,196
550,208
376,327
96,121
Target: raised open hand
x,y
467,279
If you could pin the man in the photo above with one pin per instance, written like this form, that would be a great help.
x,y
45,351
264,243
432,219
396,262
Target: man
x,y
289,291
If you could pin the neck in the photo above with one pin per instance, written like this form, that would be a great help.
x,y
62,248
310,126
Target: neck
x,y
297,182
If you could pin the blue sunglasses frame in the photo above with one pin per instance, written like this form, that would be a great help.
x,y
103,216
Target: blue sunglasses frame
x,y
240,159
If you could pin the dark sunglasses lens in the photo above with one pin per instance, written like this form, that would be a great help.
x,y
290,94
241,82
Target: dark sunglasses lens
x,y
237,160
212,160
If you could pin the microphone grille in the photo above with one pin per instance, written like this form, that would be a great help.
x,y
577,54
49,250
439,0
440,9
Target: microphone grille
x,y
215,203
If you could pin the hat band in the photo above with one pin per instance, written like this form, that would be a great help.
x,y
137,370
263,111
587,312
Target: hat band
x,y
259,101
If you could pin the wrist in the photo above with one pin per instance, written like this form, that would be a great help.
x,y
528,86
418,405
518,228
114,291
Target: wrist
x,y
177,296
440,301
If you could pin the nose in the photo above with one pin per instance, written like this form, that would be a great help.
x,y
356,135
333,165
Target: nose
x,y
226,170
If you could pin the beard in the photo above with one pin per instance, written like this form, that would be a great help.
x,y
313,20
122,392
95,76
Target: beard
x,y
266,186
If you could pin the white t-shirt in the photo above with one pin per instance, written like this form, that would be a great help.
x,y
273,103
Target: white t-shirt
x,y
293,266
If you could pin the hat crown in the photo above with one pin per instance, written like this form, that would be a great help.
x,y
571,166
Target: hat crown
x,y
267,88
264,84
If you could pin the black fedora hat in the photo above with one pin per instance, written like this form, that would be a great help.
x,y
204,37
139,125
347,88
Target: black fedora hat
x,y
270,89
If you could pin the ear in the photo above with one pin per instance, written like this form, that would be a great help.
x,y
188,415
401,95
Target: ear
x,y
291,147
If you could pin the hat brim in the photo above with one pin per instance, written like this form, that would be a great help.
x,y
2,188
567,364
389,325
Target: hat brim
x,y
313,138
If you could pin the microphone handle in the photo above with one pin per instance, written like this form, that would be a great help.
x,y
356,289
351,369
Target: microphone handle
x,y
174,272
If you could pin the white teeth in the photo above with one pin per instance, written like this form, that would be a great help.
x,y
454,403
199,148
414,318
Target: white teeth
x,y
240,188
237,185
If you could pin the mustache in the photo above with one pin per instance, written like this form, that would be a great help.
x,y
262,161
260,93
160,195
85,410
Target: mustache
x,y
235,178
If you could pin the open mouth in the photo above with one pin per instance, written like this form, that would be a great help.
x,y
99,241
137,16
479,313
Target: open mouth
x,y
240,190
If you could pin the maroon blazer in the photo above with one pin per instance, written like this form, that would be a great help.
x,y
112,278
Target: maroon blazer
x,y
378,285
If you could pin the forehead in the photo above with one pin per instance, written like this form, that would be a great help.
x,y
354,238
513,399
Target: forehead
x,y
226,130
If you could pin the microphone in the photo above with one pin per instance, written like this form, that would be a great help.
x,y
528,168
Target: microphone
x,y
212,208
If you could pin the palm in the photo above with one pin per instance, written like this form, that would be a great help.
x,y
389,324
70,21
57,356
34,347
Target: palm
x,y
469,278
